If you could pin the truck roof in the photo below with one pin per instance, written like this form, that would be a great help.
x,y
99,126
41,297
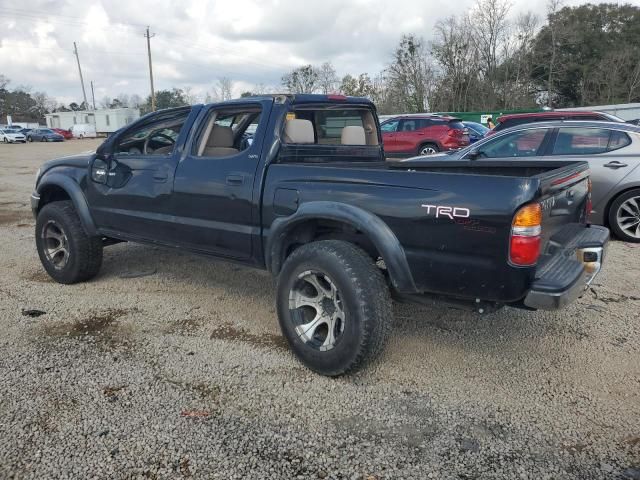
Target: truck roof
x,y
306,98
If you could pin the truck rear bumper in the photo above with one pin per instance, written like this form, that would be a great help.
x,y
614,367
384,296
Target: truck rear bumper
x,y
563,275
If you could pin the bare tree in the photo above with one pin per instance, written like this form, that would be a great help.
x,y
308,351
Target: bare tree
x,y
328,81
303,79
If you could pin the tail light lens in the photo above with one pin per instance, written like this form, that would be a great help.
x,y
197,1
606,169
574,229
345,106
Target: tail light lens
x,y
526,231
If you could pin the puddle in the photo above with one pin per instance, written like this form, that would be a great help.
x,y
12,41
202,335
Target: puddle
x,y
229,332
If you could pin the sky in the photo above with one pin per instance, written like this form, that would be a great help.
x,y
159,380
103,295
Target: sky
x,y
196,42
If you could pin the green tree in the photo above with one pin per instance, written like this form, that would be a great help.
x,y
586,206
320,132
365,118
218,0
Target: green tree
x,y
166,99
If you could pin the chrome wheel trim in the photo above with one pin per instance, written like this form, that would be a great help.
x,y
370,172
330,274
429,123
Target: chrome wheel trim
x,y
428,150
628,217
317,311
55,245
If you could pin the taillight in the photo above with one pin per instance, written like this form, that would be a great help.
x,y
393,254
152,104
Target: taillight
x,y
525,242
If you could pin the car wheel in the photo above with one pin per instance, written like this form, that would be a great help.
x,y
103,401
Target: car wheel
x,y
428,149
67,253
29,139
43,139
334,306
624,216
6,140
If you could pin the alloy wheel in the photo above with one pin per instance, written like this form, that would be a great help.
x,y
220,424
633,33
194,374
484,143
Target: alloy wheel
x,y
628,217
56,244
317,310
428,150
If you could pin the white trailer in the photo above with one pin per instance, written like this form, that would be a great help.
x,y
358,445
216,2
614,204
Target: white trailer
x,y
106,121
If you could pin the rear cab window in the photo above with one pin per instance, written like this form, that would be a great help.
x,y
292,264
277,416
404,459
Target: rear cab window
x,y
330,133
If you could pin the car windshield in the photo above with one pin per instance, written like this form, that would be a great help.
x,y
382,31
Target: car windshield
x,y
477,127
46,130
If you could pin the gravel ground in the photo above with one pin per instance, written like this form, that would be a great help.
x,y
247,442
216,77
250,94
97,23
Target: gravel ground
x,y
171,366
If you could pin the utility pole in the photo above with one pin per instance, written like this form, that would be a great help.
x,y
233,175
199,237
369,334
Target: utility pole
x,y
84,94
153,94
93,96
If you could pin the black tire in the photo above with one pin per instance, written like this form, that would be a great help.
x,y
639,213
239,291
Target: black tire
x,y
363,296
631,211
432,147
84,256
6,140
29,139
43,139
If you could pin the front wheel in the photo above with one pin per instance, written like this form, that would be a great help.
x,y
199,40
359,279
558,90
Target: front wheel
x,y
624,216
428,149
67,253
334,306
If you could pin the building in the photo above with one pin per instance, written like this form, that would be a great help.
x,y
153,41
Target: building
x,y
106,121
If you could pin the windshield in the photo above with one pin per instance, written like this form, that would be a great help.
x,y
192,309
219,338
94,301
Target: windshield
x,y
477,127
46,130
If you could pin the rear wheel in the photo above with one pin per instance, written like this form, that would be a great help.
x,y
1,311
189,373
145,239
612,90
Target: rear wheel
x,y
67,253
428,149
624,216
334,306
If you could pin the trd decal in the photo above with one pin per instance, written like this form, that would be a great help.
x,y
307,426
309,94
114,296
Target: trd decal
x,y
447,211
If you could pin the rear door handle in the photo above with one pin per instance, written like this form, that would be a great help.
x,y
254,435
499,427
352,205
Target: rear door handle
x,y
235,179
615,164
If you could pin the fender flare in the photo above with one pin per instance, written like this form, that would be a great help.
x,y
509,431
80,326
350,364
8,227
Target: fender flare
x,y
377,231
77,197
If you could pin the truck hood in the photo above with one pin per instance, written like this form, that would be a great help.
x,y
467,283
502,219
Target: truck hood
x,y
80,160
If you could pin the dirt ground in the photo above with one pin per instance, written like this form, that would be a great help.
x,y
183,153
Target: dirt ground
x,y
172,366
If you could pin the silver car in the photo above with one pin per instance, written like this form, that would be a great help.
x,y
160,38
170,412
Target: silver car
x,y
12,136
612,150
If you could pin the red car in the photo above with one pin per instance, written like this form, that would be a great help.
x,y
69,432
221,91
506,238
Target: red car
x,y
506,121
409,135
65,133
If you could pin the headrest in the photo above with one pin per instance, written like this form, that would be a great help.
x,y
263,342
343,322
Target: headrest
x,y
353,135
298,131
220,137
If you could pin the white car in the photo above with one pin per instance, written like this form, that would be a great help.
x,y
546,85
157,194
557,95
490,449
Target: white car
x,y
8,136
83,130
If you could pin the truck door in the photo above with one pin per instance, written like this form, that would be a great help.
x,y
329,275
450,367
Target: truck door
x,y
214,199
129,189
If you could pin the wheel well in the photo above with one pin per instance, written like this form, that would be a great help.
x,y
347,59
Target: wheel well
x,y
52,193
314,230
424,144
613,199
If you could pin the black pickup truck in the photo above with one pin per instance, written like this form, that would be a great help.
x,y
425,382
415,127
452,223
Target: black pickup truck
x,y
298,185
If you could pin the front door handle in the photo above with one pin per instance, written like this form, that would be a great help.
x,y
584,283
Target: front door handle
x,y
615,164
235,179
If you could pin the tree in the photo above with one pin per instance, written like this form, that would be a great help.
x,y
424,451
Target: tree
x,y
327,79
302,80
166,99
410,75
357,87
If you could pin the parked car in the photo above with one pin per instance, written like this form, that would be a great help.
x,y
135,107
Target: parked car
x,y
410,135
611,148
634,122
83,130
512,120
12,136
65,133
323,213
44,135
24,131
476,130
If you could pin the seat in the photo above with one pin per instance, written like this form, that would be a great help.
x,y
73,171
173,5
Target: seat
x,y
297,130
220,143
163,150
353,135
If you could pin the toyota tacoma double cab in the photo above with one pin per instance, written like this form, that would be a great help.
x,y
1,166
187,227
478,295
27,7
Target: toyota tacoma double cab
x,y
298,185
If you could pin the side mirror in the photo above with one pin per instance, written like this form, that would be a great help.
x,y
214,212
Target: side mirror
x,y
99,170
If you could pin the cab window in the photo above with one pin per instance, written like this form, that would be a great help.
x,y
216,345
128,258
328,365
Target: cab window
x,y
153,138
228,131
